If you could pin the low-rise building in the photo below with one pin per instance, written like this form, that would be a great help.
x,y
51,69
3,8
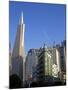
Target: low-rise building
x,y
44,65
31,63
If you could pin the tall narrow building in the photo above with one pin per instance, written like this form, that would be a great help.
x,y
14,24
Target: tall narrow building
x,y
18,56
18,49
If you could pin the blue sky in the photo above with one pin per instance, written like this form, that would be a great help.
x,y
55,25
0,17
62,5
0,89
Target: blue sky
x,y
44,23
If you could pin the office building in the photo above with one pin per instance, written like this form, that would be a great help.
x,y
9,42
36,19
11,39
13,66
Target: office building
x,y
18,56
31,62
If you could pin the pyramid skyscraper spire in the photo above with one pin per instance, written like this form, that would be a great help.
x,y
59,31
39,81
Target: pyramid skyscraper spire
x,y
21,21
18,56
19,40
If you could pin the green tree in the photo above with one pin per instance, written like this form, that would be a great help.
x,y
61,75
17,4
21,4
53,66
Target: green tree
x,y
15,81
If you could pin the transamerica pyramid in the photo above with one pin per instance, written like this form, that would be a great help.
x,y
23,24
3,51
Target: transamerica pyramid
x,y
18,49
18,56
